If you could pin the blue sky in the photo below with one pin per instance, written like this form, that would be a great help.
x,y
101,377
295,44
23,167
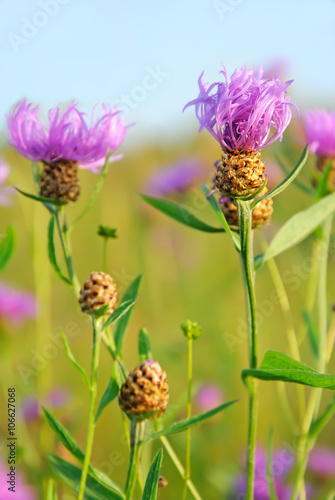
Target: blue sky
x,y
147,55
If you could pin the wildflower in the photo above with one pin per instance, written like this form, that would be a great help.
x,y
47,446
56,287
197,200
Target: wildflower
x,y
178,178
208,397
31,409
66,143
319,128
6,191
322,462
98,293
16,304
245,114
145,391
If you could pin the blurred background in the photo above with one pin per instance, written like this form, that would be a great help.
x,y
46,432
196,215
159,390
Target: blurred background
x,y
146,58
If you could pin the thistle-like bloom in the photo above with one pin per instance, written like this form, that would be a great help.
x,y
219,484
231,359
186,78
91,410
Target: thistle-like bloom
x,y
246,112
319,127
16,305
5,191
67,136
177,178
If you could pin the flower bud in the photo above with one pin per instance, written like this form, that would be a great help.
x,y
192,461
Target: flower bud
x,y
98,291
191,329
59,181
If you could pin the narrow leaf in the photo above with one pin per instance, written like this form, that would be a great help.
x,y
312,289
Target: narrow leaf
x,y
42,199
71,445
121,326
73,361
180,214
287,181
123,309
312,331
7,246
279,366
110,393
151,483
71,475
220,216
322,184
189,422
300,225
52,252
144,347
96,191
296,181
322,421
51,493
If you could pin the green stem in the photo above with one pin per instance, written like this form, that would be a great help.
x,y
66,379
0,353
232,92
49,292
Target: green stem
x,y
306,443
136,436
63,231
245,218
104,255
172,454
93,396
189,413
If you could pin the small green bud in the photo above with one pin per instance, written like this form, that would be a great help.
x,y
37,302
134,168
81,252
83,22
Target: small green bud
x,y
107,232
191,329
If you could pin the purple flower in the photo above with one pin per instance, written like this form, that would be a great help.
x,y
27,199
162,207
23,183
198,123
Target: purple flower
x,y
247,112
67,136
31,408
209,396
22,492
176,178
7,191
322,462
319,129
281,464
15,304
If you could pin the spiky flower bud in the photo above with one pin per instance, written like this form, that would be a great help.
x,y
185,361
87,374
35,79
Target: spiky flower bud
x,y
59,181
98,291
240,173
145,391
261,214
191,329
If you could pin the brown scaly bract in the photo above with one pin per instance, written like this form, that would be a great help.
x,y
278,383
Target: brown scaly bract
x,y
59,181
99,290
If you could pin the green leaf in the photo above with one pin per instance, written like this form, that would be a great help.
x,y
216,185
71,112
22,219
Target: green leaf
x,y
7,246
144,347
151,483
287,181
51,493
322,184
318,425
313,333
189,422
71,445
52,252
124,308
95,193
180,214
42,199
299,226
279,366
71,475
221,218
73,361
121,327
110,393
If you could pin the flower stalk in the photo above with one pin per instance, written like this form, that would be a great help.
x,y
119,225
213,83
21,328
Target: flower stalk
x,y
189,413
136,437
245,220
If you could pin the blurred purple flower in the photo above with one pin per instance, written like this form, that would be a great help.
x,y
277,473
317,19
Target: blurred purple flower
x,y
31,409
22,492
322,462
247,112
176,178
209,396
58,397
7,191
281,464
67,136
319,127
15,304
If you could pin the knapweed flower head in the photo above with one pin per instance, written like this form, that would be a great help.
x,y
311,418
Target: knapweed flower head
x,y
245,112
67,136
177,178
5,191
319,128
16,305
